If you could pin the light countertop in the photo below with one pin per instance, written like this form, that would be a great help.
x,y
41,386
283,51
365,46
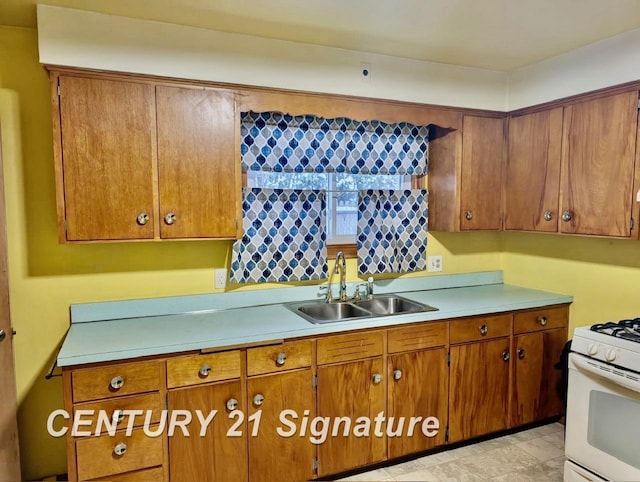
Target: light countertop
x,y
91,339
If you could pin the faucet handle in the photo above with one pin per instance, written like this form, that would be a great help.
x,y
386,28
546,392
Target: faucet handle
x,y
325,291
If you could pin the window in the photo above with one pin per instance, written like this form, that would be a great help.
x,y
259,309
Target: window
x,y
342,208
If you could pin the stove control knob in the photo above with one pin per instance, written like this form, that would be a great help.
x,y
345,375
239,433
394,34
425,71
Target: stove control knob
x,y
610,355
592,349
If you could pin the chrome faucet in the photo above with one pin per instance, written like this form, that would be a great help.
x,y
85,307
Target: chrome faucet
x,y
339,267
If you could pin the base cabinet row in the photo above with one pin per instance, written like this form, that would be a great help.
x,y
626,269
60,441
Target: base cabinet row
x,y
318,407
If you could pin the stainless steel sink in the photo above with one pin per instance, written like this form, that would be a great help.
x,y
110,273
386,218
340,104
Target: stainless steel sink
x,y
385,305
393,305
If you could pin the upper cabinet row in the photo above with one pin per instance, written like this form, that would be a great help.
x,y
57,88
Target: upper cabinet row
x,y
144,161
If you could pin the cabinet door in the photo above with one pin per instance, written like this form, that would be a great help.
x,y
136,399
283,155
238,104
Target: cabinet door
x,y
197,166
272,456
538,390
598,149
348,390
216,456
532,183
478,389
108,149
417,388
483,152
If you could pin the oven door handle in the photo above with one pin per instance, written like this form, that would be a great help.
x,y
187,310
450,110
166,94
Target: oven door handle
x,y
583,365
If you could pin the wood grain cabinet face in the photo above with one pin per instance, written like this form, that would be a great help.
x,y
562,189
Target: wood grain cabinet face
x,y
108,150
272,456
417,384
483,151
197,165
216,456
537,390
598,157
349,390
479,389
532,181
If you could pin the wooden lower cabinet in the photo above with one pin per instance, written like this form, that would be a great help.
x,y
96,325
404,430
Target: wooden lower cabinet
x,y
418,384
537,385
271,455
353,389
217,456
479,389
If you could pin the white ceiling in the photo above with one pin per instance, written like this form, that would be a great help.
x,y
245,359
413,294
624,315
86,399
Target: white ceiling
x,y
490,34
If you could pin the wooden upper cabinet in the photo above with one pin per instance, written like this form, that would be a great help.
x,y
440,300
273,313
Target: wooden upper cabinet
x,y
107,152
198,169
532,181
598,156
483,148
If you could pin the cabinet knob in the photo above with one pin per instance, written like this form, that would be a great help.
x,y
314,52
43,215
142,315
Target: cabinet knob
x,y
483,330
468,215
170,218
521,353
377,378
505,355
397,374
204,371
142,219
232,404
548,216
258,399
120,449
118,416
281,359
567,215
543,320
3,335
117,382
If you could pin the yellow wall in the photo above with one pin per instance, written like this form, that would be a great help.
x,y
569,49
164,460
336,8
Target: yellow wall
x,y
45,277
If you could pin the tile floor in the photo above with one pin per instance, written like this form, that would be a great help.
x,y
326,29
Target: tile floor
x,y
535,455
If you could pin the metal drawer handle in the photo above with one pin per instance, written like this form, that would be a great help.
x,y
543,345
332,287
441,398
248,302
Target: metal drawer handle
x,y
170,218
258,399
548,216
120,449
281,359
118,416
117,382
543,320
505,355
566,216
204,371
483,330
377,378
521,353
232,404
468,215
142,219
397,374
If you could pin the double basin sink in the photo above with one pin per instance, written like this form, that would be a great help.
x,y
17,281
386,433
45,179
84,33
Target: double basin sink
x,y
318,312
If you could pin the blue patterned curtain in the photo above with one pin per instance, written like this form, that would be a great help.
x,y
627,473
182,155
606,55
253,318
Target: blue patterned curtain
x,y
283,143
284,237
392,231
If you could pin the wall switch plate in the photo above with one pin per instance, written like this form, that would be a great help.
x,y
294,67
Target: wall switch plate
x,y
219,278
434,263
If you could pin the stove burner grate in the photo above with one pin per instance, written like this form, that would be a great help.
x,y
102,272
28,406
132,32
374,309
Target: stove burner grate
x,y
626,329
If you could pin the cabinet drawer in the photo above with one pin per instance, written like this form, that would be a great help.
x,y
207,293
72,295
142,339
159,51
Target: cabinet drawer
x,y
156,474
424,335
97,458
147,402
277,358
116,380
341,348
196,369
481,328
540,319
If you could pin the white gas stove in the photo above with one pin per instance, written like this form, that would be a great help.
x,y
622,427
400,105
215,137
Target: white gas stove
x,y
603,403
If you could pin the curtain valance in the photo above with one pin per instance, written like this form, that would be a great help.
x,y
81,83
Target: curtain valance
x,y
277,142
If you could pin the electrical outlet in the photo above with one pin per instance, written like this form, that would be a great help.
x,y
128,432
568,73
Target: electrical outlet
x,y
435,263
219,278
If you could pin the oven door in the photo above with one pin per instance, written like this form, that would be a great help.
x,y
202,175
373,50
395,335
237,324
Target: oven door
x,y
603,419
